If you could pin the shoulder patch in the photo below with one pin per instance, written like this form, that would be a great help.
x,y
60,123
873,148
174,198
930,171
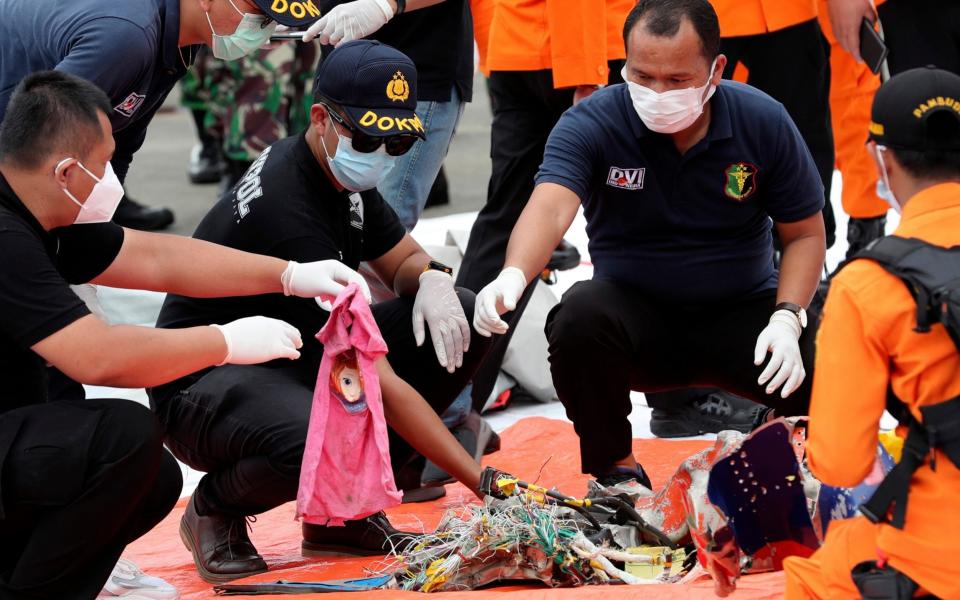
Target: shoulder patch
x,y
130,104
626,179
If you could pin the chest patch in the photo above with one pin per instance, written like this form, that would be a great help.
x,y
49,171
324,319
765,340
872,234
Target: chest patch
x,y
130,104
740,181
626,179
356,211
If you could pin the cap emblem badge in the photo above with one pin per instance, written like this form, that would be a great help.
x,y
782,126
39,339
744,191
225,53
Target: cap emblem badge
x,y
398,89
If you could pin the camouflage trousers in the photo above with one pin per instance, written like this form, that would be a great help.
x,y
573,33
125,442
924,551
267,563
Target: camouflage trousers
x,y
253,102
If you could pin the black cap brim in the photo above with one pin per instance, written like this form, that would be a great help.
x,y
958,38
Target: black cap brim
x,y
292,13
381,122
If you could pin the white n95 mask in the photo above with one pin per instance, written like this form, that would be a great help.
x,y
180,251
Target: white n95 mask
x,y
673,111
103,199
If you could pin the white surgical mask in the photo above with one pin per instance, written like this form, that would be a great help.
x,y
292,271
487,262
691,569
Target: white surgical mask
x,y
251,33
358,171
673,111
883,182
103,199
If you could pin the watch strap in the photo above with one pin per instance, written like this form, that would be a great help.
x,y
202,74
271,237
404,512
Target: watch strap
x,y
796,309
438,266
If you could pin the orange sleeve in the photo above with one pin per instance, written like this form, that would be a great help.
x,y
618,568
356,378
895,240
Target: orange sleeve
x,y
849,390
617,11
482,11
578,42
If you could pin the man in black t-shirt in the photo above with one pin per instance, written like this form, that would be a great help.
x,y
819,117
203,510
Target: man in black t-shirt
x,y
312,197
80,479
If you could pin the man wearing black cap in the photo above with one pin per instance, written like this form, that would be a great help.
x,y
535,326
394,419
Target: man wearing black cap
x,y
135,51
871,346
312,197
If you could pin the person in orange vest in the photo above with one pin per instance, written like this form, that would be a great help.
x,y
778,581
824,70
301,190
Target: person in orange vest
x,y
870,348
541,58
852,86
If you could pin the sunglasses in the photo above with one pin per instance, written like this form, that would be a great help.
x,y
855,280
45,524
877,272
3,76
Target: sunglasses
x,y
396,145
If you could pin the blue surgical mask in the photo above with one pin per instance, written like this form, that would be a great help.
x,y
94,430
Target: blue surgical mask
x,y
252,32
358,171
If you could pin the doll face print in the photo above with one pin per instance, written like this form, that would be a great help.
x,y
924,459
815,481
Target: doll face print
x,y
346,382
350,385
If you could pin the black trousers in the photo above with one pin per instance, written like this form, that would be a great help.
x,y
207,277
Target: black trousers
x,y
246,425
80,482
792,65
921,33
525,109
606,339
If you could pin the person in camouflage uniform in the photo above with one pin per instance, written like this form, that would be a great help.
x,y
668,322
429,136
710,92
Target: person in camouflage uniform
x,y
253,102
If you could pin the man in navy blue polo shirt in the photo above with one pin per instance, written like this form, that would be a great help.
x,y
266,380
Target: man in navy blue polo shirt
x,y
681,177
135,51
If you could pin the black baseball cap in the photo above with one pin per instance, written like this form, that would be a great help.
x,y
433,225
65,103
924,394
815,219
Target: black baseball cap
x,y
918,109
292,13
375,85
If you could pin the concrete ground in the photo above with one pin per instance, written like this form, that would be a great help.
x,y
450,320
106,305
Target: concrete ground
x,y
158,174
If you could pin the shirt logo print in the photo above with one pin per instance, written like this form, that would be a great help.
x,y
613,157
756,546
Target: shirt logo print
x,y
356,211
741,181
130,104
626,179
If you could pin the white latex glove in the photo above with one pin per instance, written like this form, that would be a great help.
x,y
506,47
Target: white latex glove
x,y
323,280
254,340
497,297
781,338
350,21
437,304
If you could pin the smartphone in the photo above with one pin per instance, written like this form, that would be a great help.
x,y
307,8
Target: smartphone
x,y
286,36
872,48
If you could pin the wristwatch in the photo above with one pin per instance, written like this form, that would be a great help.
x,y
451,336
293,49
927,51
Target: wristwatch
x,y
796,309
438,266
401,6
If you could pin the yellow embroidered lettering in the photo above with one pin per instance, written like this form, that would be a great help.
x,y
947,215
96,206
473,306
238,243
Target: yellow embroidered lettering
x,y
368,119
385,123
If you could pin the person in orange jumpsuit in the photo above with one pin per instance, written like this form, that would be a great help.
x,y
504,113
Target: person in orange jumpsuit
x,y
852,86
541,58
866,343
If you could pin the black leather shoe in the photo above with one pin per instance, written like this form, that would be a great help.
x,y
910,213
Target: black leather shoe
x,y
205,164
134,215
220,546
860,232
372,536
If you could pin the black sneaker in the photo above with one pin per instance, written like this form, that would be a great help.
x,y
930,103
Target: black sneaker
x,y
477,438
860,232
623,475
134,215
715,412
205,164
